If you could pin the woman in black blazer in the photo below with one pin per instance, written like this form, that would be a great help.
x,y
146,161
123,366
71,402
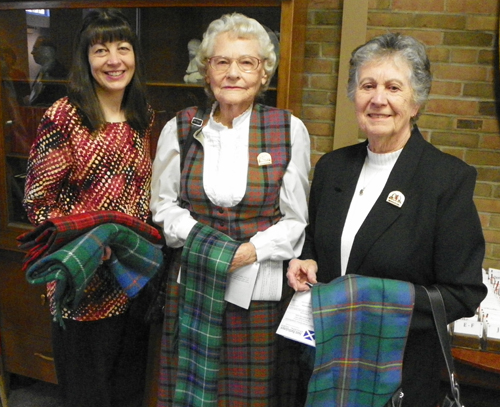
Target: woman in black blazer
x,y
396,207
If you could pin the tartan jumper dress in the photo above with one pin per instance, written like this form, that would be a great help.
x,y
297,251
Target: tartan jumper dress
x,y
248,374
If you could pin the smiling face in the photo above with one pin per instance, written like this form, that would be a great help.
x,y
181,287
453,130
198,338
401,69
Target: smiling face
x,y
112,65
235,89
384,104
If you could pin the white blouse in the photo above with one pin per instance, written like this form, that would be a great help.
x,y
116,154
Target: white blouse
x,y
225,171
371,182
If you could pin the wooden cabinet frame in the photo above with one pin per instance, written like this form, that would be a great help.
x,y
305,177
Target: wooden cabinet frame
x,y
288,92
290,69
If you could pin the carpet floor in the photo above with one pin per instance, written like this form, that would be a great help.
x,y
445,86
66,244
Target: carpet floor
x,y
31,393
25,392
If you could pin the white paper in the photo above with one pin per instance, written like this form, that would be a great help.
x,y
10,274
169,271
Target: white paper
x,y
259,282
297,323
269,282
493,331
469,328
240,285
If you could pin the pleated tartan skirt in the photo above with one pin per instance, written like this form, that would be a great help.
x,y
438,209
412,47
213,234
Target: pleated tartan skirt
x,y
258,367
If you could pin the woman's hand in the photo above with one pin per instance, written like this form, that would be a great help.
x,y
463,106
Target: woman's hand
x,y
245,255
106,255
301,272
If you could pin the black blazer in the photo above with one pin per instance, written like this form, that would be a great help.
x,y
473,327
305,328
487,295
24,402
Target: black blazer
x,y
434,238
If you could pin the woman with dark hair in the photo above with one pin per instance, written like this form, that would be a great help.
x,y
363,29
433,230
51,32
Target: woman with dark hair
x,y
92,153
106,27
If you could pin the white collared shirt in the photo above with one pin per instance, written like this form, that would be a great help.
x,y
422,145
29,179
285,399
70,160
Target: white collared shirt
x,y
225,179
225,166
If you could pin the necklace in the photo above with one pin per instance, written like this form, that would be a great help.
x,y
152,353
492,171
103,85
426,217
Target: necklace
x,y
378,167
363,175
362,190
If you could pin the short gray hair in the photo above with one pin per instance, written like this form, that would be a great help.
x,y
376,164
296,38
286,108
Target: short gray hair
x,y
394,45
242,27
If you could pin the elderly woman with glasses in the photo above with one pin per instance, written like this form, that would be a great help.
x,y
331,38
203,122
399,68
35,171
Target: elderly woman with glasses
x,y
235,200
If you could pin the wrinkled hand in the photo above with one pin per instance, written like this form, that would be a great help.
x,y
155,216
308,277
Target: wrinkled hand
x,y
301,272
245,255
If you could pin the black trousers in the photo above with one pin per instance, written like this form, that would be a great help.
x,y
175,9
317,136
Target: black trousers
x,y
101,363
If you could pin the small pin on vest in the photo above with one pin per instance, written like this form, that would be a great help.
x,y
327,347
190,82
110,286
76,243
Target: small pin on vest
x,y
264,159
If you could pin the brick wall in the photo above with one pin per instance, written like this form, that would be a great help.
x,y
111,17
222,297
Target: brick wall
x,y
461,115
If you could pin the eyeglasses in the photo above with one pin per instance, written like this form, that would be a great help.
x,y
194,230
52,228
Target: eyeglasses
x,y
246,63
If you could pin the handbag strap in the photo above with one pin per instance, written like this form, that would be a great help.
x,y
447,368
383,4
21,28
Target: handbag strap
x,y
196,124
439,315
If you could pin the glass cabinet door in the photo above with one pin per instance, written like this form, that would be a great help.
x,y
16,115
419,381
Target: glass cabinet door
x,y
35,58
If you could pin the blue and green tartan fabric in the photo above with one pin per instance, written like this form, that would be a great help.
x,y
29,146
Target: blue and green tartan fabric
x,y
206,258
134,260
361,325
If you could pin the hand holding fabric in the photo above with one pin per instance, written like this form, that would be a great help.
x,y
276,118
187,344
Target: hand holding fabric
x,y
301,272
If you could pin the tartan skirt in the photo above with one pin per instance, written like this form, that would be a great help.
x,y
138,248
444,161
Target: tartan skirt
x,y
258,368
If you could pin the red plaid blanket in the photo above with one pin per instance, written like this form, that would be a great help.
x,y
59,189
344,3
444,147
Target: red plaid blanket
x,y
54,233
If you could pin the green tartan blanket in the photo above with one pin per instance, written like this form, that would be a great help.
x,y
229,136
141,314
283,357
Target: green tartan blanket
x,y
134,260
206,258
361,325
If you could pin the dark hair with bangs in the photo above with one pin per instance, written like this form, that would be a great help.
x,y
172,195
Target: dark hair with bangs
x,y
100,26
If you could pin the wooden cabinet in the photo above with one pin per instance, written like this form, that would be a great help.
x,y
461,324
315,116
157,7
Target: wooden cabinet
x,y
24,323
165,28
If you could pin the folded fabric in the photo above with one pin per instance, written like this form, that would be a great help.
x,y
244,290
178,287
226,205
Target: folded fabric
x,y
361,325
134,260
206,258
56,232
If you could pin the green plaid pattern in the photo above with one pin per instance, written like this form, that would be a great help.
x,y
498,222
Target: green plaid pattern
x,y
206,258
54,233
134,260
361,324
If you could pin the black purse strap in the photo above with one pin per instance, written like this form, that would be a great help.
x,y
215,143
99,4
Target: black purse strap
x,y
439,314
196,124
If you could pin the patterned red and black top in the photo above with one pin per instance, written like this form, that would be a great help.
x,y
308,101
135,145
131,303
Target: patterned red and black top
x,y
73,170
